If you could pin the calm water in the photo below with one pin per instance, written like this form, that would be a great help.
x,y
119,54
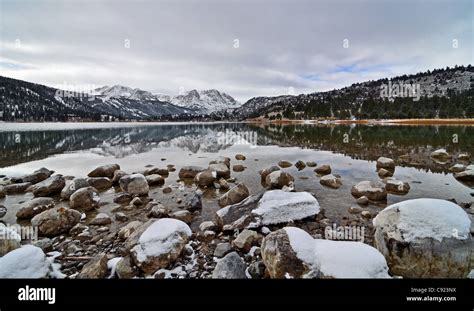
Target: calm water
x,y
351,150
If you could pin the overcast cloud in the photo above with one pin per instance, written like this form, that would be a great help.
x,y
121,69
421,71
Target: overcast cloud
x,y
191,44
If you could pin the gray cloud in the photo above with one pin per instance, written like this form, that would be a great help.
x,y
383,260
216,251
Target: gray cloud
x,y
190,44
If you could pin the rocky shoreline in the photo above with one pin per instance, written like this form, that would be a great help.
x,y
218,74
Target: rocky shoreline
x,y
277,233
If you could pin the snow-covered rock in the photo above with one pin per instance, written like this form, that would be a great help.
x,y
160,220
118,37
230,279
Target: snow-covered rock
x,y
26,262
425,238
271,207
393,185
160,244
386,163
292,253
440,154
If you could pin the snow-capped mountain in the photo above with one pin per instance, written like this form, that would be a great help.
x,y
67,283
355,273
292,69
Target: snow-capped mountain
x,y
205,102
202,102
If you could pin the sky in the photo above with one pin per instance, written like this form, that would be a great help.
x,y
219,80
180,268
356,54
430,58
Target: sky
x,y
244,48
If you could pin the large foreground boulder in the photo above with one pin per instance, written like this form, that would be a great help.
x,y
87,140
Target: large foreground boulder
x,y
425,238
292,253
271,207
56,220
27,262
160,244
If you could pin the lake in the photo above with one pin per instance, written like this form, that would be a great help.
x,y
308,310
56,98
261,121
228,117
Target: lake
x,y
74,149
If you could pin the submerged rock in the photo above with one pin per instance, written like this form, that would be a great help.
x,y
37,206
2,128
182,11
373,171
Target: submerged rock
x,y
373,191
323,170
331,181
238,168
425,238
311,164
104,171
240,157
300,165
271,207
235,195
190,171
34,207
292,253
284,164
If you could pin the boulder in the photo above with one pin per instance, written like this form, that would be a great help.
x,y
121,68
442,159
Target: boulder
x,y
189,171
16,188
300,165
206,178
240,157
385,163
101,219
27,262
208,226
56,220
184,216
160,244
221,169
395,186
155,180
311,164
3,192
373,191
193,202
323,170
125,268
126,231
37,176
157,171
265,172
238,168
104,171
467,175
50,186
425,238
279,179
222,249
99,183
363,200
85,199
222,159
441,154
72,186
118,174
96,268
292,253
331,181
34,207
3,211
245,240
235,195
135,184
384,173
230,267
269,208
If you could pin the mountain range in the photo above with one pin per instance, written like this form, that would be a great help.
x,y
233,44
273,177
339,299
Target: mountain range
x,y
440,93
